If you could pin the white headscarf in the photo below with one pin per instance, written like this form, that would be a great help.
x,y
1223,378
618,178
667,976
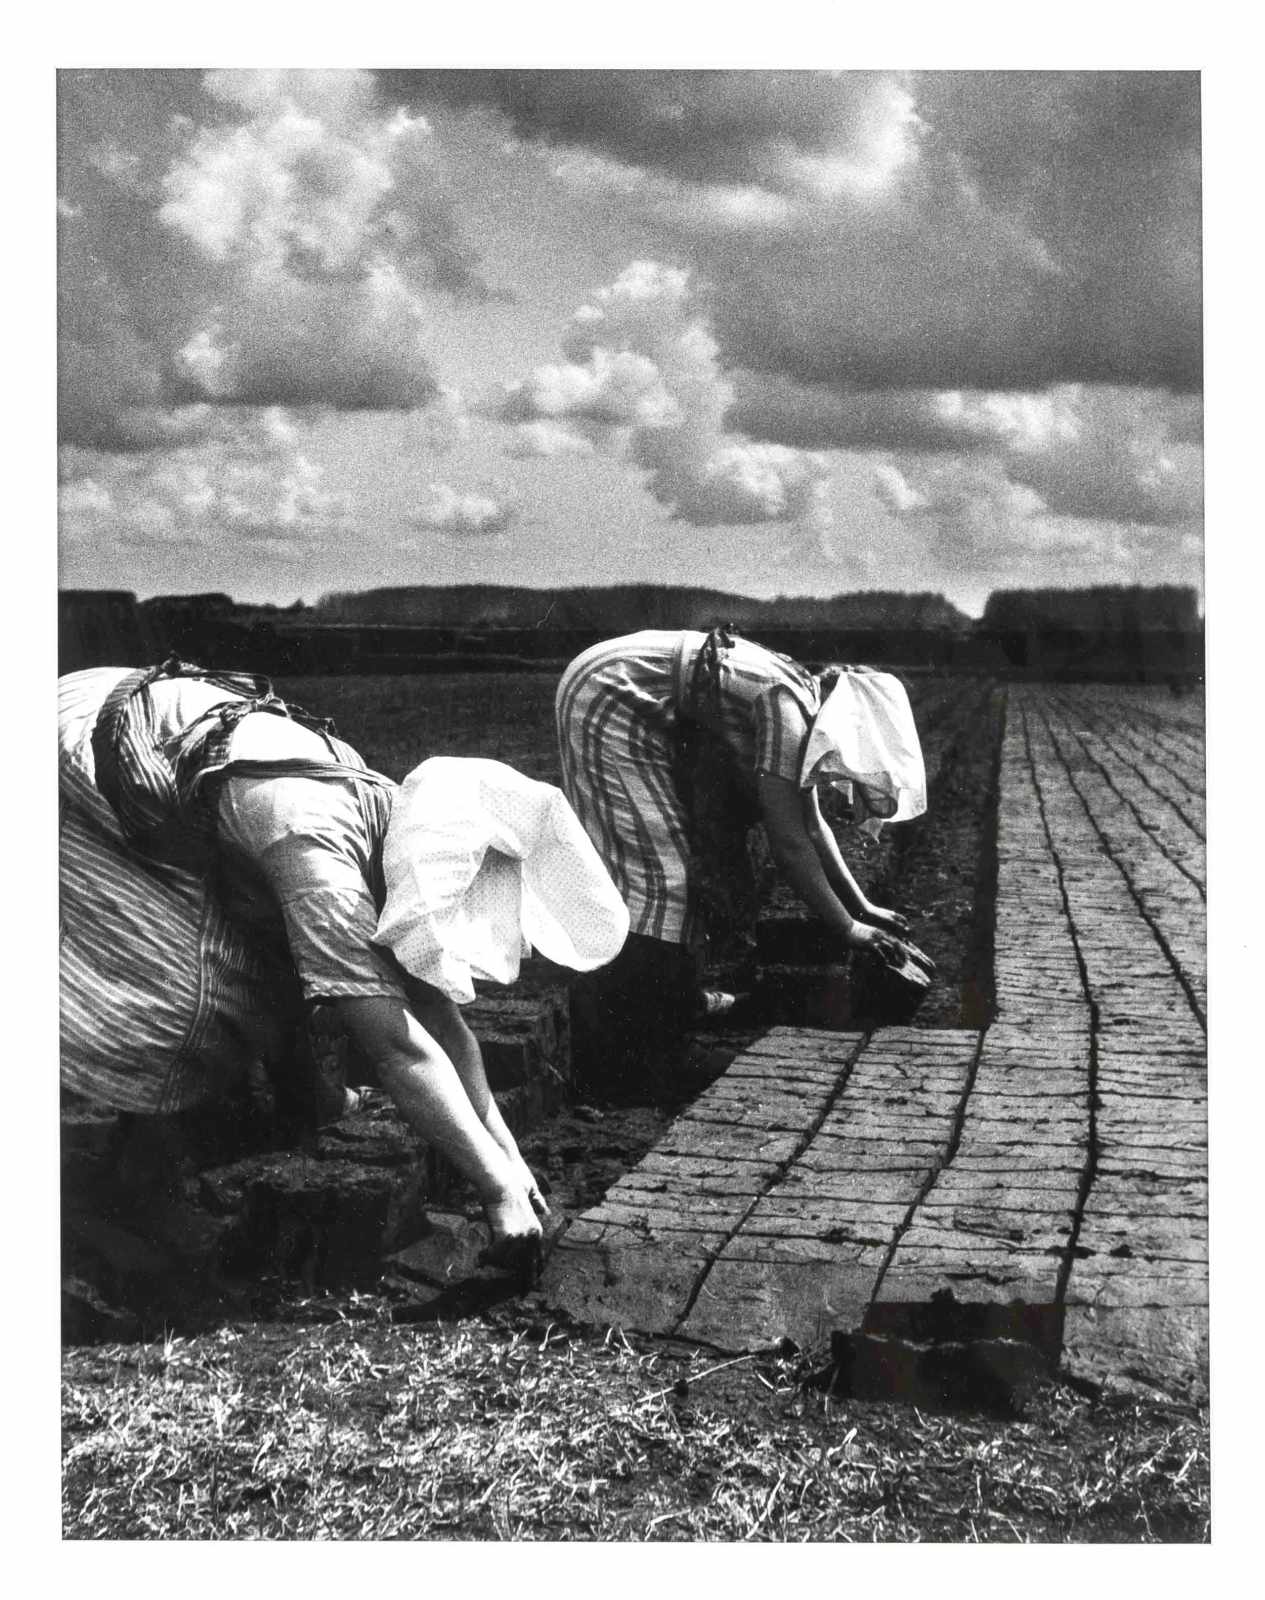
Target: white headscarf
x,y
481,864
863,740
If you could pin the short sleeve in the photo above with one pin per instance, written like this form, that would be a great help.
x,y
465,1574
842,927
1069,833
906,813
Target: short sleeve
x,y
781,733
306,837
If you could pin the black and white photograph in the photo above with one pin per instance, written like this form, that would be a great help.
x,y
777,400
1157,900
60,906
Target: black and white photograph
x,y
633,942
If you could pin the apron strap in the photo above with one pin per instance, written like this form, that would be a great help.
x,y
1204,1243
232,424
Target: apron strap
x,y
178,840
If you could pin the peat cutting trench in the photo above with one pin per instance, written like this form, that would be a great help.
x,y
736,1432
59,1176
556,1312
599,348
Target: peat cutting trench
x,y
1013,1183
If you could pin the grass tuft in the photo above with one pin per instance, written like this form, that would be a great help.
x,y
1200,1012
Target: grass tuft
x,y
357,1428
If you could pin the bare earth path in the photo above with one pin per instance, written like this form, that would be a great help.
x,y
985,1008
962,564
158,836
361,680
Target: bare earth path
x,y
1050,1171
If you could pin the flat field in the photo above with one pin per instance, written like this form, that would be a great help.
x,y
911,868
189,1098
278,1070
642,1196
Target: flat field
x,y
395,721
1057,879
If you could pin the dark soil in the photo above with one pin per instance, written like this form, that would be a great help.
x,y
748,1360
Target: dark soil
x,y
942,871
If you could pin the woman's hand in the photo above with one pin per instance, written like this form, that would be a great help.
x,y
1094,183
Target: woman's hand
x,y
512,1215
864,936
517,1237
535,1199
888,921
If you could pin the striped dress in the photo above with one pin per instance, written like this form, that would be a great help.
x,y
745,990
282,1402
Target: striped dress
x,y
618,710
170,986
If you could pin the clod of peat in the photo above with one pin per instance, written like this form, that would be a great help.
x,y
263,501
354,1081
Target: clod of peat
x,y
889,993
988,1375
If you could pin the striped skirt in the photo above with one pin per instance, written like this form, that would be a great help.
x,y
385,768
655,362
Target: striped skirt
x,y
163,1004
617,742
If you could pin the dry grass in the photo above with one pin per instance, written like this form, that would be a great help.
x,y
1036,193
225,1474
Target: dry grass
x,y
358,1428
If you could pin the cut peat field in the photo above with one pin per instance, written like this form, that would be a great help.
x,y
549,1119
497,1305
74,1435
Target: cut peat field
x,y
1036,1138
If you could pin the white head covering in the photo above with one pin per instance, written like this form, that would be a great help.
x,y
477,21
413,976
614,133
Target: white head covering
x,y
863,740
482,864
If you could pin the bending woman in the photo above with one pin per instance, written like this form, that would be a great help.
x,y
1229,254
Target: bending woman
x,y
626,709
201,817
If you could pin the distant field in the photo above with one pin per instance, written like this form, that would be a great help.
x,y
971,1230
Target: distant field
x,y
396,721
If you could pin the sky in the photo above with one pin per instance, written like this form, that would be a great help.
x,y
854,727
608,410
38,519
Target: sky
x,y
778,331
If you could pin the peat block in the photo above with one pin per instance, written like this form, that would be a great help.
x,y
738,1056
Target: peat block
x,y
447,1250
524,1038
325,1224
162,1225
803,997
992,1375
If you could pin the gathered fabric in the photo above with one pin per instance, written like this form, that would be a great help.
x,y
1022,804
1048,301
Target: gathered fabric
x,y
163,1002
481,866
175,968
863,741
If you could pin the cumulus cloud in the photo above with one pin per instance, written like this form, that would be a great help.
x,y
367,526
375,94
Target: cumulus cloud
x,y
358,347
1039,237
611,388
809,132
1118,456
894,490
973,515
923,230
447,510
319,184
324,218
1092,451
642,376
546,440
732,482
819,417
276,240
249,483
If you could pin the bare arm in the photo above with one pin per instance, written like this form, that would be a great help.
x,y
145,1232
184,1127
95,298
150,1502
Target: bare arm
x,y
443,1020
427,1060
425,1085
839,874
788,812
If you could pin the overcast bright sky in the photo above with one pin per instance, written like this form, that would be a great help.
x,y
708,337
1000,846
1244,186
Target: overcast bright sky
x,y
774,331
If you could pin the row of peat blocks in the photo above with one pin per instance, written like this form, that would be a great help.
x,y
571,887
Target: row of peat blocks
x,y
177,1220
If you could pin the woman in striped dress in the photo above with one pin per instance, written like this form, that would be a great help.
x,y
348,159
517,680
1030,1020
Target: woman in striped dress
x,y
223,863
621,710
